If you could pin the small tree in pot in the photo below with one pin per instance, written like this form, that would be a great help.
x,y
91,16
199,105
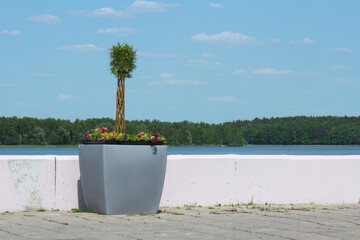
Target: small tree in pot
x,y
123,62
122,173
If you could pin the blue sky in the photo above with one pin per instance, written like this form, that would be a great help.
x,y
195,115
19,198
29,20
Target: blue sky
x,y
210,61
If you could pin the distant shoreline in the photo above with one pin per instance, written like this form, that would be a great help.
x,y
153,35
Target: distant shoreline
x,y
315,145
249,145
33,146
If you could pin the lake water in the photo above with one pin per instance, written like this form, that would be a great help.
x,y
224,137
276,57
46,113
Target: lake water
x,y
249,150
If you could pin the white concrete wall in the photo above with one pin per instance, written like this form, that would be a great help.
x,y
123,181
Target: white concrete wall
x,y
27,183
52,182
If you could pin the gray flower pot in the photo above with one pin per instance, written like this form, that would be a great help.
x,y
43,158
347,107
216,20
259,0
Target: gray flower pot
x,y
122,179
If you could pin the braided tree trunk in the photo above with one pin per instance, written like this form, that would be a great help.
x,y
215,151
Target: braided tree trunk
x,y
120,107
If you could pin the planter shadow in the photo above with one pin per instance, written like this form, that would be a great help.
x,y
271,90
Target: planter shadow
x,y
81,201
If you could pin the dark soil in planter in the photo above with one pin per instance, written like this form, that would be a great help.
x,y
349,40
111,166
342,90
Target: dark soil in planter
x,y
114,142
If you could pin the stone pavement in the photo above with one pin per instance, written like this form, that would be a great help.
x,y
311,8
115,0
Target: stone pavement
x,y
246,221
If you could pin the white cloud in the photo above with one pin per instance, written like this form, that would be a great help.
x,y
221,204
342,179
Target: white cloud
x,y
274,40
204,62
215,5
300,94
238,71
344,80
223,99
42,75
6,85
117,30
205,55
269,71
81,48
13,33
154,55
342,50
307,40
140,6
225,38
45,19
23,105
178,82
304,41
63,97
167,75
101,12
339,67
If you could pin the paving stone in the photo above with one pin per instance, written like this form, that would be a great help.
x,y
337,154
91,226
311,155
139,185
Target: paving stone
x,y
247,221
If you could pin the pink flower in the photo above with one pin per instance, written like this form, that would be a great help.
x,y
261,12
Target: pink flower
x,y
107,138
105,129
156,140
102,138
87,135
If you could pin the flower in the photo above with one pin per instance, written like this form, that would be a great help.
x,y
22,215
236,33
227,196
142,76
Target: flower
x,y
104,134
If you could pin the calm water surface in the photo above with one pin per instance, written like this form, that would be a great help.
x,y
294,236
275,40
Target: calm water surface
x,y
250,150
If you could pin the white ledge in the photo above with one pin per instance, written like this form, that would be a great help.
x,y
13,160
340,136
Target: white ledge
x,y
53,182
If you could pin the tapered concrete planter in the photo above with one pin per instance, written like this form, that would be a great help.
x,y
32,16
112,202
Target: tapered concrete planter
x,y
122,179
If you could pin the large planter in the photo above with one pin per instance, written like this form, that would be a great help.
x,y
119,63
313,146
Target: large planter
x,y
122,179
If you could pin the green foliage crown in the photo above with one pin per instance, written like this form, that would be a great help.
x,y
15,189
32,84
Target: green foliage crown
x,y
123,60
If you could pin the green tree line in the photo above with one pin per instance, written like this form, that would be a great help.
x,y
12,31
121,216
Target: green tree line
x,y
285,131
301,130
33,131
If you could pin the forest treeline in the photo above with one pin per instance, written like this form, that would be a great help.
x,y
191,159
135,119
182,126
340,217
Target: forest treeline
x,y
285,131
